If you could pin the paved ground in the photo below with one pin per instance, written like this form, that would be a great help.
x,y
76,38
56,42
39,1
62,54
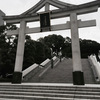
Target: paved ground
x,y
62,73
88,74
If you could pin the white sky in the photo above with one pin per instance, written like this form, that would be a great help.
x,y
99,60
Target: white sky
x,y
16,7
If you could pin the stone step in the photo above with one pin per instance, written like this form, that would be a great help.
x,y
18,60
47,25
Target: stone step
x,y
77,91
49,92
9,99
28,97
25,97
63,88
46,99
63,93
45,88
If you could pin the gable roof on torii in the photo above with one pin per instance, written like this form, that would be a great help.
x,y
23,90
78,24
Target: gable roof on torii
x,y
39,5
62,11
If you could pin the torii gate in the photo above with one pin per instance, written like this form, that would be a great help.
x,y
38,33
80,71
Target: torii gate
x,y
64,10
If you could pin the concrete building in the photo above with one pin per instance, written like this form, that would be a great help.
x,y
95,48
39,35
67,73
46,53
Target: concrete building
x,y
1,18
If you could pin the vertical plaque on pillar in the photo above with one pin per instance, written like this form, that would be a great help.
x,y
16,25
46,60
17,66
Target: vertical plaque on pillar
x,y
45,21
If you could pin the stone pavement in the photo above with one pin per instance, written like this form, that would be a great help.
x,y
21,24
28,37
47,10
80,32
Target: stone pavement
x,y
62,73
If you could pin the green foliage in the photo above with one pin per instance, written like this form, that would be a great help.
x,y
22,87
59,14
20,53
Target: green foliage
x,y
89,47
35,51
58,43
29,53
6,59
53,41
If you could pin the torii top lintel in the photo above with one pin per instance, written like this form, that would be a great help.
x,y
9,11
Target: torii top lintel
x,y
64,10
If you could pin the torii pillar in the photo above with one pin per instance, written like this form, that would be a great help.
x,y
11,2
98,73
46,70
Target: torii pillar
x,y
17,75
78,78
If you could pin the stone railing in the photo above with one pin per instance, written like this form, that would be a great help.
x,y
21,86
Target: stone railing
x,y
45,63
55,60
95,65
43,67
49,65
30,70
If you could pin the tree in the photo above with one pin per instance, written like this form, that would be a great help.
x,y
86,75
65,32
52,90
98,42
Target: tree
x,y
67,51
89,47
5,50
54,41
35,52
29,53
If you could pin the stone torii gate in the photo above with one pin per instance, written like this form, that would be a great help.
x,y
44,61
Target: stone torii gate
x,y
64,10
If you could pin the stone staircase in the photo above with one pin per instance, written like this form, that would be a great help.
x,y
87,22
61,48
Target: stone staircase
x,y
62,73
46,91
54,86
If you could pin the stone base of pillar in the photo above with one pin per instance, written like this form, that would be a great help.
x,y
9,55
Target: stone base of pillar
x,y
17,78
78,78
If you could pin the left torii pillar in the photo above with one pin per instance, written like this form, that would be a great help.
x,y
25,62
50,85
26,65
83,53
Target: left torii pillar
x,y
17,75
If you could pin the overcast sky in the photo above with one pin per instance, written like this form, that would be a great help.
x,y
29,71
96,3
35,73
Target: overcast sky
x,y
16,7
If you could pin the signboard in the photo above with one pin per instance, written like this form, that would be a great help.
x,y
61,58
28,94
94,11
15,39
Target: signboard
x,y
45,21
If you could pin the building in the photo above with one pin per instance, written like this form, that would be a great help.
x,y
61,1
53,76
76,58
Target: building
x,y
1,18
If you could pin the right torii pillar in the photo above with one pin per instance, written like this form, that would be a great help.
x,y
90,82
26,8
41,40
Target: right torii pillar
x,y
78,77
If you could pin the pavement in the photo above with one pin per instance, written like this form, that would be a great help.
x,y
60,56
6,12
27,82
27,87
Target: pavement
x,y
62,73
